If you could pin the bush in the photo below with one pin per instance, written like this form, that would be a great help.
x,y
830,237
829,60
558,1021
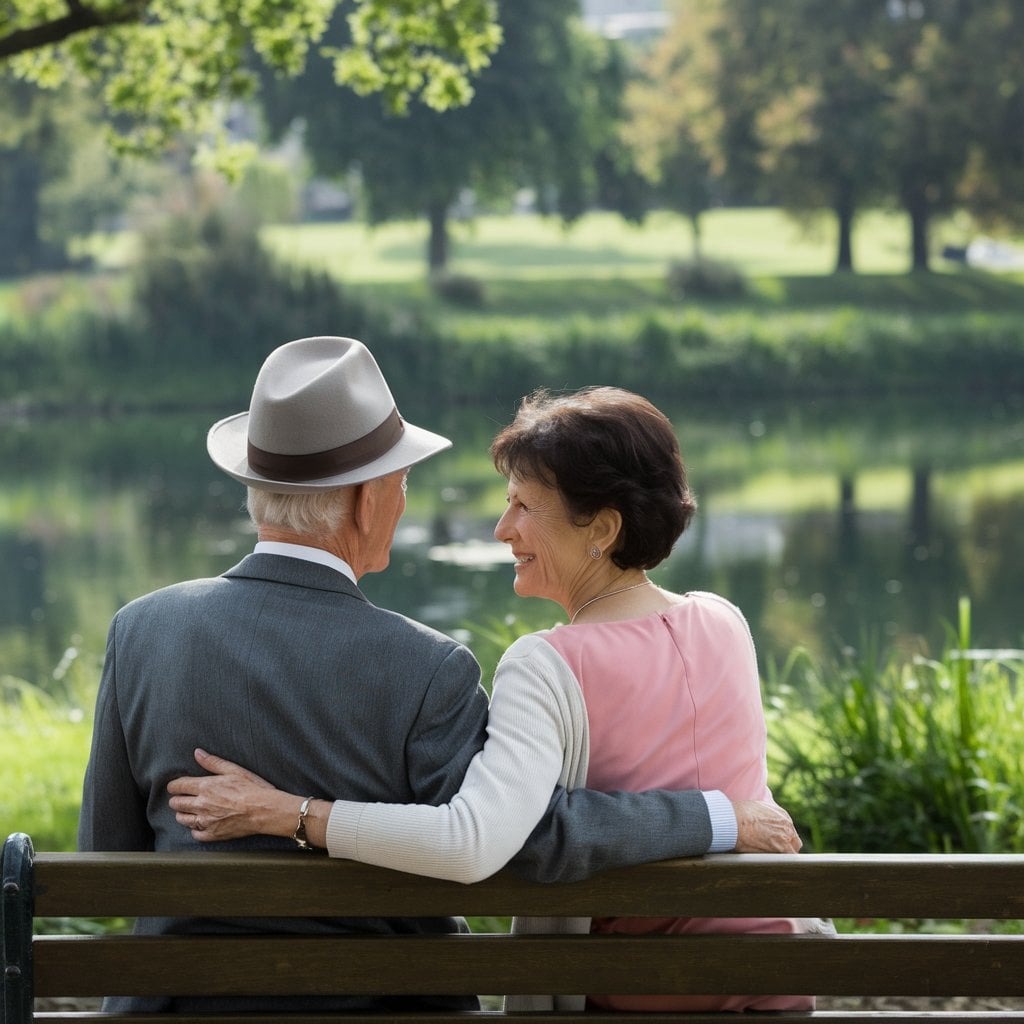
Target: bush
x,y
206,290
458,289
704,279
922,756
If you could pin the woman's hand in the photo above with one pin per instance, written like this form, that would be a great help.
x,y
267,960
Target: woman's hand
x,y
764,828
231,802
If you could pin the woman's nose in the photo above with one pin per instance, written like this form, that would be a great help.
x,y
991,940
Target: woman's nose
x,y
501,532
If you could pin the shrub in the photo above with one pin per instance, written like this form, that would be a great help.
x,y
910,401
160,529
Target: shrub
x,y
458,289
205,289
919,756
704,279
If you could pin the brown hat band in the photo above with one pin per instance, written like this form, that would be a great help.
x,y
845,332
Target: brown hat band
x,y
317,465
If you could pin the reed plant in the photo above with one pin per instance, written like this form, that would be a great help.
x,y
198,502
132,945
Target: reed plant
x,y
902,755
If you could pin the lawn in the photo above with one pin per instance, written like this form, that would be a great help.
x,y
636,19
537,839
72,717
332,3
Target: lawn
x,y
599,245
760,242
601,274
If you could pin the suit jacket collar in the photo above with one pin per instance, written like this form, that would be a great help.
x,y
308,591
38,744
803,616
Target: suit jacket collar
x,y
294,571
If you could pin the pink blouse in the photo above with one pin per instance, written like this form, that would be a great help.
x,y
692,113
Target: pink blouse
x,y
673,701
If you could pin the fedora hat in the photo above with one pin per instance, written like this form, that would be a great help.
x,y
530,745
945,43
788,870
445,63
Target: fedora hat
x,y
321,416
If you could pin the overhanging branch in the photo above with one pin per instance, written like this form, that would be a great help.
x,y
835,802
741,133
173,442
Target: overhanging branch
x,y
80,18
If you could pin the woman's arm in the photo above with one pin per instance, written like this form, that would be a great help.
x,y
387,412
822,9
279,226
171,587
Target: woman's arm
x,y
506,791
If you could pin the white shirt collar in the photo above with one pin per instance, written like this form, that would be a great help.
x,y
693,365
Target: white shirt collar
x,y
308,554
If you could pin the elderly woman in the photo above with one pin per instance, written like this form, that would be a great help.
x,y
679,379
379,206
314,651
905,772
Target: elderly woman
x,y
642,688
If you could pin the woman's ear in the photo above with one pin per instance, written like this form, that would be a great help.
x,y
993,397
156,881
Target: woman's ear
x,y
605,529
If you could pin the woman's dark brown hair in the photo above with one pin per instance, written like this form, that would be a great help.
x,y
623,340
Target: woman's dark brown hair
x,y
604,447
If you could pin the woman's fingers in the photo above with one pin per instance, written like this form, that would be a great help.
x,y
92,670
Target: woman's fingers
x,y
192,785
230,802
222,766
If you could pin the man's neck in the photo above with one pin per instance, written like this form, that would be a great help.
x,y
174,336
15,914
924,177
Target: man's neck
x,y
307,552
334,542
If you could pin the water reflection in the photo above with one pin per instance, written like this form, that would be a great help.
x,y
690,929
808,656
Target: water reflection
x,y
828,527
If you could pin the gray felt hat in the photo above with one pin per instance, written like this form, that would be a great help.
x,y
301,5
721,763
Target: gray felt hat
x,y
321,416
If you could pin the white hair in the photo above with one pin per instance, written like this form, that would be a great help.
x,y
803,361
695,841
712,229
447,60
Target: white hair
x,y
308,513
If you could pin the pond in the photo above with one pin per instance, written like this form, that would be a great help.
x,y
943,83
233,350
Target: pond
x,y
831,526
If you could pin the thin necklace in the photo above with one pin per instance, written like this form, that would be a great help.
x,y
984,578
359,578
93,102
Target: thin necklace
x,y
601,597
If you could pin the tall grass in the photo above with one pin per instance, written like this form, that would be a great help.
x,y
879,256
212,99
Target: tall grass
x,y
890,755
46,747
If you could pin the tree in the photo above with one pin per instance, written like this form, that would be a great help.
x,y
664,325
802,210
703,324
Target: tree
x,y
991,188
25,125
934,101
846,103
670,111
58,180
166,66
800,104
541,116
823,134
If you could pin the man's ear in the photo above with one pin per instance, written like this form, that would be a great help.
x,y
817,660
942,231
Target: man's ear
x,y
364,505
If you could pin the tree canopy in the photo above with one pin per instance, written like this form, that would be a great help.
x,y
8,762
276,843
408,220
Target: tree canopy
x,y
164,66
845,104
542,117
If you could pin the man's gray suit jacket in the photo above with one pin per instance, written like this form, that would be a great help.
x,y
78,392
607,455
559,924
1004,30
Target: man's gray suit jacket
x,y
284,666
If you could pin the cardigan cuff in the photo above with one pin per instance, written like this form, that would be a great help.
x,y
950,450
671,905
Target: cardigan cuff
x,y
343,829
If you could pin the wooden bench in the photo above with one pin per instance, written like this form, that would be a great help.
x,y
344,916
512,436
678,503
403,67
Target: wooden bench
x,y
978,888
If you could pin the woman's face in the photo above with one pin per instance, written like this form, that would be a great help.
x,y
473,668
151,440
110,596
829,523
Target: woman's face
x,y
552,555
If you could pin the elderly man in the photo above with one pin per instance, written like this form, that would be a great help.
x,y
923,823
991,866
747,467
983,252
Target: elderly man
x,y
283,665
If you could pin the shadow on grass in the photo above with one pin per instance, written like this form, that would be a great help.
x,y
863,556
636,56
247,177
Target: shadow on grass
x,y
927,292
930,293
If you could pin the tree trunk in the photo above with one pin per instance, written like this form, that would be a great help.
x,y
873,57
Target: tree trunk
x,y
847,520
698,240
919,532
437,244
844,211
917,208
20,181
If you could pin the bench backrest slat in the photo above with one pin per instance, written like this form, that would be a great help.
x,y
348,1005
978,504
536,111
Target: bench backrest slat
x,y
213,965
742,885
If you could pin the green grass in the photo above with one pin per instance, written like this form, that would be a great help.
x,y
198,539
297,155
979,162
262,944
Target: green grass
x,y
604,277
603,274
46,747
762,242
599,245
